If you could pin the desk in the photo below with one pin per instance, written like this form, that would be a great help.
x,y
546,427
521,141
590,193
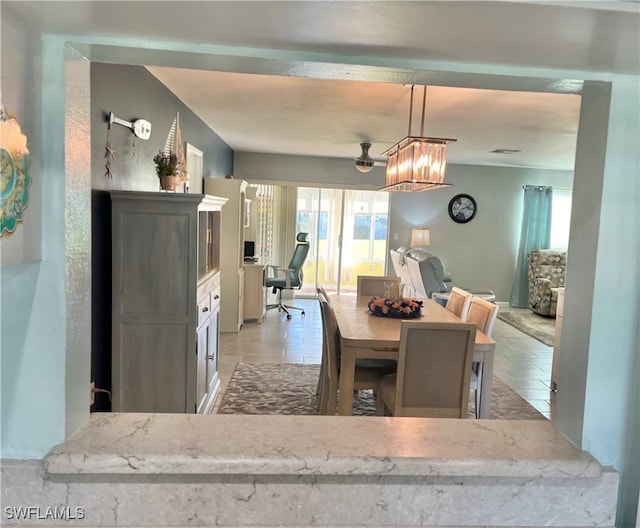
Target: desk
x,y
363,335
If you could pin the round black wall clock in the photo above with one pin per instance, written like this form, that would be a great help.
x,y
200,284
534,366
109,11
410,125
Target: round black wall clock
x,y
462,208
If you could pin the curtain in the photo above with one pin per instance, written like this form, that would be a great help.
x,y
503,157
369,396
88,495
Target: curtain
x,y
534,234
284,223
334,225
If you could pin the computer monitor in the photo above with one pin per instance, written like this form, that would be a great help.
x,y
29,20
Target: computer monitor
x,y
249,249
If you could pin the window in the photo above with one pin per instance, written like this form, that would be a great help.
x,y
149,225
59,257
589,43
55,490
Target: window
x,y
361,226
560,218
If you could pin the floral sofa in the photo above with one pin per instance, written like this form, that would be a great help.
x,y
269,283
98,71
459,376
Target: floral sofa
x,y
546,275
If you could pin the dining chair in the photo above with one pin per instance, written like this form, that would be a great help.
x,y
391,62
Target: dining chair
x,y
484,314
373,285
367,372
322,292
434,371
322,295
459,302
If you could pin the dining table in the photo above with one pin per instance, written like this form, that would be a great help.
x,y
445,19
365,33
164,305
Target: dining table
x,y
364,335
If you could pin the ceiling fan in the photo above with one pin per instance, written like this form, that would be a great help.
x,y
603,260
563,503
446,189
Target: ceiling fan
x,y
364,162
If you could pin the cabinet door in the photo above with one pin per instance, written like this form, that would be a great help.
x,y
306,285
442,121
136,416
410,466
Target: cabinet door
x,y
213,345
202,377
240,298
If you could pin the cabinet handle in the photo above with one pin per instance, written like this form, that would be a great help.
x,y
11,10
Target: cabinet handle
x,y
205,309
211,358
216,296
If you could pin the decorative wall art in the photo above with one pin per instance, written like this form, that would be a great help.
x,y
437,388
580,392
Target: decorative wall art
x,y
15,177
174,146
140,127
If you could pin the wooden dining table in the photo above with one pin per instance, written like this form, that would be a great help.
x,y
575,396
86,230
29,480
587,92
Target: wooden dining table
x,y
367,336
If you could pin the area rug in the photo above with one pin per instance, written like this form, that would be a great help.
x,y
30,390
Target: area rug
x,y
534,325
263,388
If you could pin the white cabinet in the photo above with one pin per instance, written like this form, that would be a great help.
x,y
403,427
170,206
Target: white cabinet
x,y
165,283
231,249
556,339
208,333
255,295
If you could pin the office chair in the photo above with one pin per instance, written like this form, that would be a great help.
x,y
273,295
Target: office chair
x,y
291,276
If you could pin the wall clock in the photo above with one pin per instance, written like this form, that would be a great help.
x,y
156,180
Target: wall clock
x,y
462,208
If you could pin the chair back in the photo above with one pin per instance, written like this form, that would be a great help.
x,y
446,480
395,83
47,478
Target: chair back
x,y
323,295
330,339
483,313
459,302
373,285
434,369
297,260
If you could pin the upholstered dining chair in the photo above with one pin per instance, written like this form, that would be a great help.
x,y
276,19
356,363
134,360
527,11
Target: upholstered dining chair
x,y
484,314
322,293
291,277
459,302
366,373
373,285
322,296
434,371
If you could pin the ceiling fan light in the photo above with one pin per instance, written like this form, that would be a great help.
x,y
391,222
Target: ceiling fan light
x,y
364,165
364,162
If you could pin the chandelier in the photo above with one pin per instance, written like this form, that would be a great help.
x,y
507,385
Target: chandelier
x,y
417,163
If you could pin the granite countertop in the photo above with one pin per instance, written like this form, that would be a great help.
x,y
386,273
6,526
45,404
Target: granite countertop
x,y
188,444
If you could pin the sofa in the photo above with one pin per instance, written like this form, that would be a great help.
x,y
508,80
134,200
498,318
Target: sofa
x,y
546,270
423,272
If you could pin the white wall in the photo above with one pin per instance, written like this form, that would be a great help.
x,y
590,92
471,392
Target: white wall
x,y
480,254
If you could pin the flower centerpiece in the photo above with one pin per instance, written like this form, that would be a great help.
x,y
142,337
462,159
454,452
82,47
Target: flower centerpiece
x,y
405,308
166,169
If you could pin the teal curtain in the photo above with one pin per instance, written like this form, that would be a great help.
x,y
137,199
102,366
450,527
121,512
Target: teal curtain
x,y
535,234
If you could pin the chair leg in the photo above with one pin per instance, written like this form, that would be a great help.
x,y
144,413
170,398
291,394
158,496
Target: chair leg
x,y
290,307
283,307
477,367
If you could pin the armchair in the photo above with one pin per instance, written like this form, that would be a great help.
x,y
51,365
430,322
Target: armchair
x,y
427,273
290,277
546,270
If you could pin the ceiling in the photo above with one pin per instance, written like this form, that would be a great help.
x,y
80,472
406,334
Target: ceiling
x,y
305,101
329,118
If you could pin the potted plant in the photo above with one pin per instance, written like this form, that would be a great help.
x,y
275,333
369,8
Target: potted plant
x,y
166,169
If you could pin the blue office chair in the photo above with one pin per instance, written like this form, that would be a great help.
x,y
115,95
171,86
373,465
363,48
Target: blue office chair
x,y
289,278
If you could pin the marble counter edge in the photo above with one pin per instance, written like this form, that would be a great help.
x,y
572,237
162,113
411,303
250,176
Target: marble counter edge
x,y
151,444
69,464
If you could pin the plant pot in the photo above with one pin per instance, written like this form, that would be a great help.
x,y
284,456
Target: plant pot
x,y
168,183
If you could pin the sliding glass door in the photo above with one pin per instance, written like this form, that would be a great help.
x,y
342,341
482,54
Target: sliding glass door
x,y
348,235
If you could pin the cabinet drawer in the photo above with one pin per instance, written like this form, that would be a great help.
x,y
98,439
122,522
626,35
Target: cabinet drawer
x,y
204,308
215,300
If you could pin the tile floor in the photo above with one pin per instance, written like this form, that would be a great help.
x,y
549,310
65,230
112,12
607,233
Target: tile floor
x,y
521,362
